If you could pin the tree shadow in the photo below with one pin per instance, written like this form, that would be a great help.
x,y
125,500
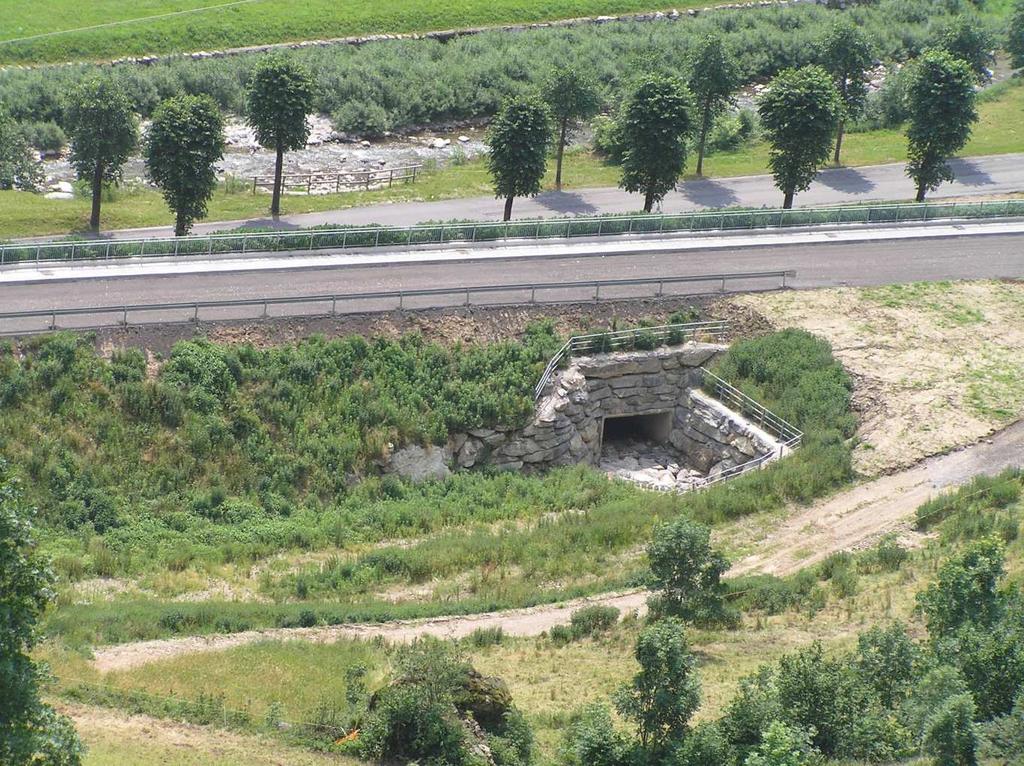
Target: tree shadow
x,y
567,203
708,193
968,173
845,180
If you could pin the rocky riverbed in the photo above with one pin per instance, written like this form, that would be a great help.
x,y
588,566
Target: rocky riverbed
x,y
649,464
327,152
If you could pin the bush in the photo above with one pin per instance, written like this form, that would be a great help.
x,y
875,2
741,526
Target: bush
x,y
47,137
950,735
593,620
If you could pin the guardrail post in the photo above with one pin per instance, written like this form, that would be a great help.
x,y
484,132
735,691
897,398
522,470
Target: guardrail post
x,y
334,305
195,314
533,294
401,300
723,283
124,316
597,292
53,320
467,296
265,312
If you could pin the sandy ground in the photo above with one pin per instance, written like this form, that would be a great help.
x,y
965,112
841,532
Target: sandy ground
x,y
936,365
847,520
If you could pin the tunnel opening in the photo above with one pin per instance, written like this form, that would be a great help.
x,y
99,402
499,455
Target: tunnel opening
x,y
651,427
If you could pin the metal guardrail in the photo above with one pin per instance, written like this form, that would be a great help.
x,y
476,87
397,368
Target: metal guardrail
x,y
342,303
788,435
603,342
324,183
555,228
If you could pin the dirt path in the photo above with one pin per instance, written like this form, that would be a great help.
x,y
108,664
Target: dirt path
x,y
845,521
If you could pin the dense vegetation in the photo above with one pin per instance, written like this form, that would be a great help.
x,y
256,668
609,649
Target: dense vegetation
x,y
393,85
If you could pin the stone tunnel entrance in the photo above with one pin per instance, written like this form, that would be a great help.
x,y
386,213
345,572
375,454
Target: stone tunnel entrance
x,y
651,427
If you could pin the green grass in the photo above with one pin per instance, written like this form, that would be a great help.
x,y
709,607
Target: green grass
x,y
255,22
1000,130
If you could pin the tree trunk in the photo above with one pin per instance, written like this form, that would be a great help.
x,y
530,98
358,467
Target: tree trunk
x,y
787,203
648,202
561,153
97,196
275,202
180,226
920,193
508,208
839,141
704,125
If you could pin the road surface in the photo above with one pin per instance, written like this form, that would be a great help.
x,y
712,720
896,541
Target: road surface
x,y
817,265
998,174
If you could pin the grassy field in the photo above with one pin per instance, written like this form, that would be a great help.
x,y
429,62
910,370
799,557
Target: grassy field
x,y
1000,130
548,681
62,30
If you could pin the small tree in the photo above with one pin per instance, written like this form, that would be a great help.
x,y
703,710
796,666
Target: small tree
x,y
686,572
965,38
966,590
1015,35
950,734
279,97
713,78
889,661
184,142
846,54
518,141
30,732
19,168
941,105
799,113
783,745
666,692
571,96
103,131
655,122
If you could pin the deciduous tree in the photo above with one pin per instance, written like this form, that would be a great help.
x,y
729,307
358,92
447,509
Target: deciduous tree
x,y
31,733
103,131
278,99
184,143
655,123
19,169
846,54
686,572
965,38
950,735
713,78
799,113
571,95
518,139
1015,35
665,693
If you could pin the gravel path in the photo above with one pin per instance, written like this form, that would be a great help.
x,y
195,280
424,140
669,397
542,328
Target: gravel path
x,y
847,520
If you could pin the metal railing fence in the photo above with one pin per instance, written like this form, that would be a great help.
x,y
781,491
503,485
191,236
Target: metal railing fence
x,y
324,183
443,233
636,338
346,303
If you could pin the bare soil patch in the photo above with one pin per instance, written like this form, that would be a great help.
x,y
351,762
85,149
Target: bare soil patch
x,y
936,365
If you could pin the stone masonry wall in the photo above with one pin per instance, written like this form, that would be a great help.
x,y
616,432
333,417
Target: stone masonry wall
x,y
567,426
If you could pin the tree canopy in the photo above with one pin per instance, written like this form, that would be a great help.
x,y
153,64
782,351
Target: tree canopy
x,y
1015,35
799,113
19,169
103,131
30,732
686,572
714,75
278,99
965,37
184,143
518,140
654,125
571,95
941,105
846,54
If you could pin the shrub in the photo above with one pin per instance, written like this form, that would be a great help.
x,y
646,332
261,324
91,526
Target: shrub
x,y
593,620
48,137
950,734
592,740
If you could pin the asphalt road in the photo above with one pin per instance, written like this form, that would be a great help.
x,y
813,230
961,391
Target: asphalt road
x,y
858,263
1000,174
